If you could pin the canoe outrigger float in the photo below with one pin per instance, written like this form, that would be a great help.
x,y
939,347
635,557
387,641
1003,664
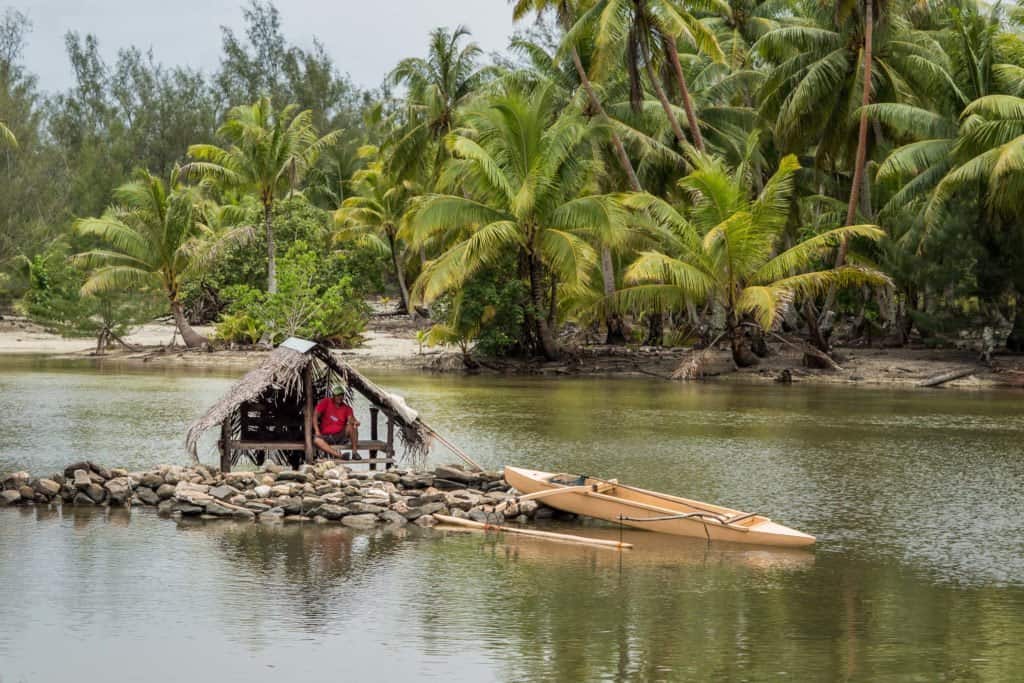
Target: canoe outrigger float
x,y
614,502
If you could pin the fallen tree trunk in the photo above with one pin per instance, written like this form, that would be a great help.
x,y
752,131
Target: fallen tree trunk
x,y
939,380
809,350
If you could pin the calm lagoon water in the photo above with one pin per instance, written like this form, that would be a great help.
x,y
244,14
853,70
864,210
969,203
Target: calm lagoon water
x,y
916,498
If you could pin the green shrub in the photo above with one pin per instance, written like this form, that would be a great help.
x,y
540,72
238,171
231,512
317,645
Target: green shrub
x,y
239,328
296,221
486,314
52,298
313,301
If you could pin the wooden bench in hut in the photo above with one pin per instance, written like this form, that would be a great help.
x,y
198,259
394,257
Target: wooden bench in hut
x,y
269,413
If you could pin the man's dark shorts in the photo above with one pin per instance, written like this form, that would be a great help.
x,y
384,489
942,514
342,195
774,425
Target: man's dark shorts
x,y
335,439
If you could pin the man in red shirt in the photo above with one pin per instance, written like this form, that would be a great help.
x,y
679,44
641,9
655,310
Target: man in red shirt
x,y
335,423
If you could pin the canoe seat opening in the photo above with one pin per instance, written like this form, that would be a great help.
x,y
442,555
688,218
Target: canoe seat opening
x,y
739,518
568,479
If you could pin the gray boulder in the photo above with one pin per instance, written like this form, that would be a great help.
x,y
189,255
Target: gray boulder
x,y
96,492
428,509
393,518
47,487
187,509
216,509
223,492
9,498
82,479
310,504
455,474
367,508
542,511
69,471
429,498
529,507
363,521
148,495
333,512
152,480
120,489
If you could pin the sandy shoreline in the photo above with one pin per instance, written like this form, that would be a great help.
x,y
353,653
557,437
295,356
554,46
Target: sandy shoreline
x,y
390,343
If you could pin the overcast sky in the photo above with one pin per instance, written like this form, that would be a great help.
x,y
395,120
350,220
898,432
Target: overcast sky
x,y
366,38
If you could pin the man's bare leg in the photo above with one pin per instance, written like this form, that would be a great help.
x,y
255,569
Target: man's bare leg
x,y
352,432
326,447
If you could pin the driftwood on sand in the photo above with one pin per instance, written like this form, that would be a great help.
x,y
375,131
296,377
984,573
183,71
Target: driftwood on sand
x,y
939,380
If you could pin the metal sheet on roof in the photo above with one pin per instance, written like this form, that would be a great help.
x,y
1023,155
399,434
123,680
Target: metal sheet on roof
x,y
296,344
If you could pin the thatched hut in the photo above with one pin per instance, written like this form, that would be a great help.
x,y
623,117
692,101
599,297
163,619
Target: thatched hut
x,y
269,413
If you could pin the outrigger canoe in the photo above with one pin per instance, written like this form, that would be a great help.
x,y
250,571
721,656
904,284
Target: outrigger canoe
x,y
614,502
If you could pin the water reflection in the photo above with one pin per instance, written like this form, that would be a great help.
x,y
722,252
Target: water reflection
x,y
511,608
316,572
682,614
919,574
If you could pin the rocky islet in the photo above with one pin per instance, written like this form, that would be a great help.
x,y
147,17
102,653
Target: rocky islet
x,y
325,492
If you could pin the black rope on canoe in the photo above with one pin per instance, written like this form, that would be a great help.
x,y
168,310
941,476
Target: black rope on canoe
x,y
682,515
699,516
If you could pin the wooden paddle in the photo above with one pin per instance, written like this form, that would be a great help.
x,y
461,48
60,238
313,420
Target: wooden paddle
x,y
549,535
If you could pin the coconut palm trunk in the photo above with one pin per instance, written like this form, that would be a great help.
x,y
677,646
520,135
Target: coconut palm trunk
x,y
191,338
684,93
268,225
399,273
620,149
616,328
858,169
659,91
862,134
542,329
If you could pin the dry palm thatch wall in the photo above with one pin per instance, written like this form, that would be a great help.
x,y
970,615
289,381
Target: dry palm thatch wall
x,y
282,376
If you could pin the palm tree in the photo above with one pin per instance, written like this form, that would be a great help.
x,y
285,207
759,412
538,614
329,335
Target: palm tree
x,y
155,236
815,87
7,136
868,8
269,154
437,86
519,168
566,13
971,121
640,30
374,214
724,252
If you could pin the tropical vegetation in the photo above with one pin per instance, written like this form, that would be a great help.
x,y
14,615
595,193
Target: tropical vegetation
x,y
627,171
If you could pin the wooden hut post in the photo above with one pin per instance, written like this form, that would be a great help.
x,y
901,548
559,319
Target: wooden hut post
x,y
307,422
391,441
225,445
374,415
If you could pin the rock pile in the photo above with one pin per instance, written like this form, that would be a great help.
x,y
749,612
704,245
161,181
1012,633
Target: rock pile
x,y
324,492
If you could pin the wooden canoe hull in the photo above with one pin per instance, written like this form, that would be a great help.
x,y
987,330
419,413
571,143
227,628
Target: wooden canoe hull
x,y
627,501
